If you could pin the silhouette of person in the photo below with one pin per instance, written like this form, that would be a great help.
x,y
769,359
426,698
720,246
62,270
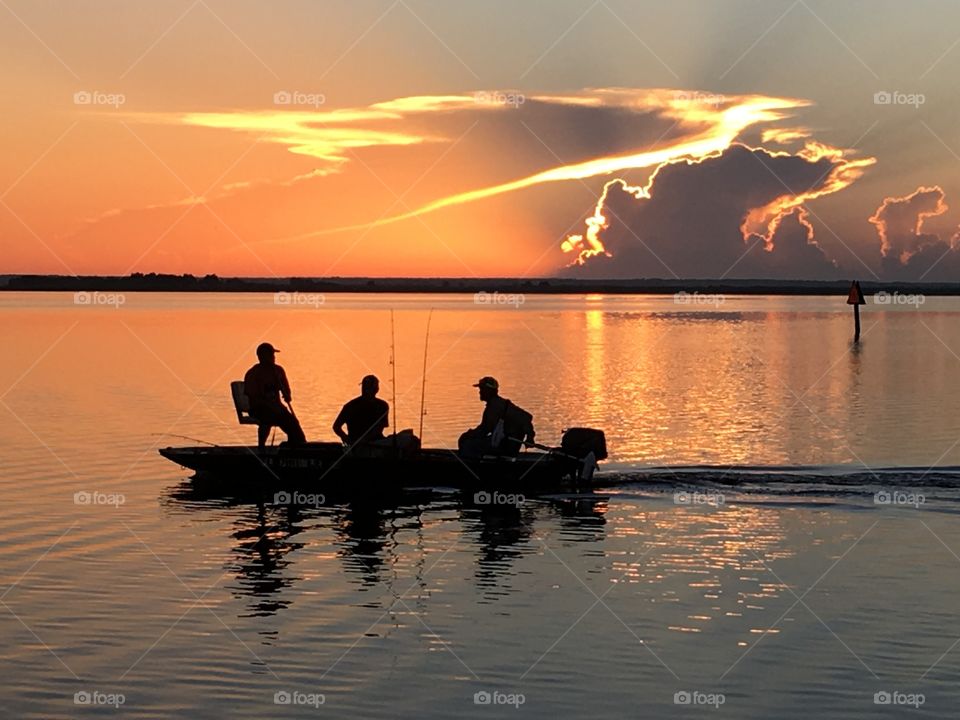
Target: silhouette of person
x,y
366,416
479,441
264,384
503,428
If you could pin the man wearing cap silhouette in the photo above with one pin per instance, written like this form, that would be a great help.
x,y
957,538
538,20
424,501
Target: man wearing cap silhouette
x,y
366,416
264,384
480,440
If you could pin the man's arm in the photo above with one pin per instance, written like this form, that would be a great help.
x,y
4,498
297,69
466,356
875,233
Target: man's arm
x,y
338,425
491,415
384,421
284,384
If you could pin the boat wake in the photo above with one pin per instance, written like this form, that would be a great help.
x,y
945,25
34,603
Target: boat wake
x,y
880,485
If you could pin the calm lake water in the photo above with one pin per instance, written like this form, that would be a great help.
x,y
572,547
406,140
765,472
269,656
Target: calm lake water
x,y
819,572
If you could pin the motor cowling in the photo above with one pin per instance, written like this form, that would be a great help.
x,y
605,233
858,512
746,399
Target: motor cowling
x,y
580,442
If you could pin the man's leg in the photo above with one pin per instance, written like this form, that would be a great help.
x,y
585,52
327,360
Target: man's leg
x,y
263,432
472,446
264,417
288,422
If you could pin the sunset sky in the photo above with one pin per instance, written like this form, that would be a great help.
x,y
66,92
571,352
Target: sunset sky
x,y
603,138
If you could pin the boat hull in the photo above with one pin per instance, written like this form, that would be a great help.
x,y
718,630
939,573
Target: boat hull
x,y
327,467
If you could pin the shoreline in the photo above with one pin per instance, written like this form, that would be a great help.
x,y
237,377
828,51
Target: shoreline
x,y
531,286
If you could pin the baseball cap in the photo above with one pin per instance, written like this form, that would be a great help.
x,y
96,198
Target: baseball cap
x,y
265,349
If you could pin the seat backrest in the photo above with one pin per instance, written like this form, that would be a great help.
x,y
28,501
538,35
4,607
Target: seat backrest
x,y
241,403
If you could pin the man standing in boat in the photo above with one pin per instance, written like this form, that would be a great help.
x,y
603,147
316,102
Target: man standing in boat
x,y
264,384
366,416
503,428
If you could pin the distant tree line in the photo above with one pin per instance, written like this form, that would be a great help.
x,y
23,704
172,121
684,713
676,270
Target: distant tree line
x,y
162,282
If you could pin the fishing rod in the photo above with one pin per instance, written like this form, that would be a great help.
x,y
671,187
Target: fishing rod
x,y
393,365
423,380
184,437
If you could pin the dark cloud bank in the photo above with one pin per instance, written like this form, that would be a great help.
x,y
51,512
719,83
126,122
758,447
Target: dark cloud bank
x,y
698,220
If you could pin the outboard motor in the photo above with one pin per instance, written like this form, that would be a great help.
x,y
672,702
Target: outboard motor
x,y
581,442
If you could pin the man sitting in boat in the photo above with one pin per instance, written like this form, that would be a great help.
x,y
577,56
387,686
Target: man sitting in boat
x,y
503,429
366,416
263,385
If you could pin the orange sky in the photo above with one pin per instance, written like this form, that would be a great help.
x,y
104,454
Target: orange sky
x,y
406,186
349,140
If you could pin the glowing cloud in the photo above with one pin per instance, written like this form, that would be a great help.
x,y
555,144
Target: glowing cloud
x,y
762,221
784,136
326,136
899,221
844,171
735,213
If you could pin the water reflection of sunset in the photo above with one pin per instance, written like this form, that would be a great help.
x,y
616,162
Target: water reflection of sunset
x,y
689,590
769,387
711,557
